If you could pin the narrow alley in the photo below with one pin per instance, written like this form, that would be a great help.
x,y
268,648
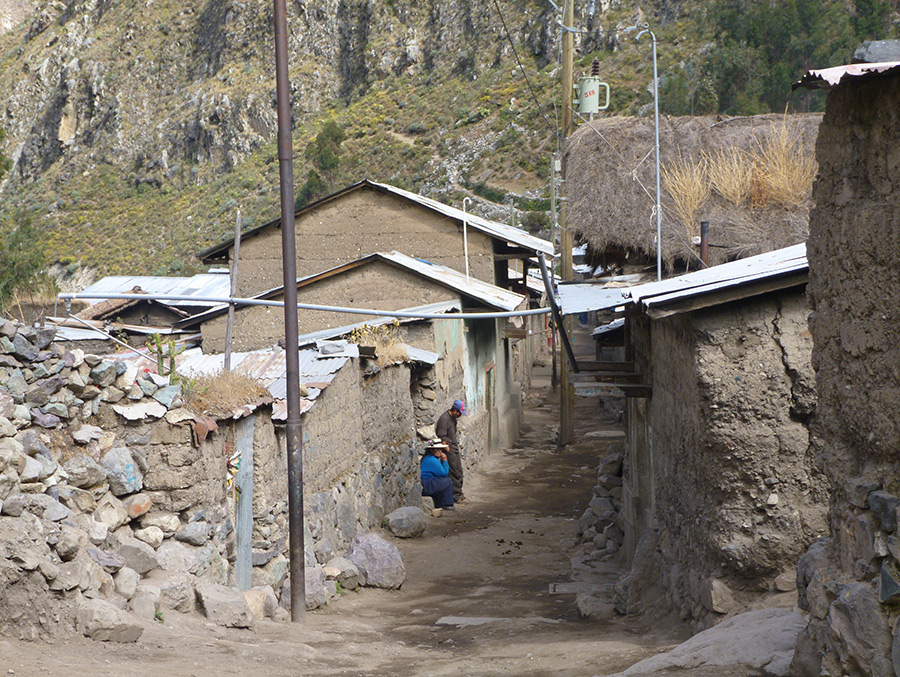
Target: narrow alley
x,y
477,599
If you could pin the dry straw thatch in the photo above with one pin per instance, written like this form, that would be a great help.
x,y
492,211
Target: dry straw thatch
x,y
750,177
221,393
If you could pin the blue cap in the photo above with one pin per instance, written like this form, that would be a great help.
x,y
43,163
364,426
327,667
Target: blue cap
x,y
460,406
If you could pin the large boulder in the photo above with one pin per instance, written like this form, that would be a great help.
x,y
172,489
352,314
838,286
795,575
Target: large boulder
x,y
101,621
380,563
758,641
315,592
124,475
408,522
224,606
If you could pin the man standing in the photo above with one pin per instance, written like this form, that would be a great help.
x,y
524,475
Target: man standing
x,y
445,428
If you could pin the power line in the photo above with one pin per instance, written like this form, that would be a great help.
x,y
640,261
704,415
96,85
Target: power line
x,y
522,67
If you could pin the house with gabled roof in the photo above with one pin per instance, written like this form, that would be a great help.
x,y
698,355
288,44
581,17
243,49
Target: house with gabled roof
x,y
485,360
369,217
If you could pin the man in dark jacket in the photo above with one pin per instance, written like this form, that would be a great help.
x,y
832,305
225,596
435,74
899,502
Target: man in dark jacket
x,y
445,428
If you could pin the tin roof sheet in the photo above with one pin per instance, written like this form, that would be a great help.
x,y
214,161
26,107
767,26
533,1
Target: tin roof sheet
x,y
489,294
501,231
829,77
215,285
580,298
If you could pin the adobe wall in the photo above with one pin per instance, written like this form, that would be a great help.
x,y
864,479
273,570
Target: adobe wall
x,y
736,494
376,285
850,582
356,225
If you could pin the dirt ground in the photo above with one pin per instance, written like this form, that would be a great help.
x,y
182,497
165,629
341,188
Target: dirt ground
x,y
491,562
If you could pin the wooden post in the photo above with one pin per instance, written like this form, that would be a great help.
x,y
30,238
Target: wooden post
x,y
229,325
566,390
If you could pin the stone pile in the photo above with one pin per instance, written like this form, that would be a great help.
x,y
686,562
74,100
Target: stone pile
x,y
600,532
104,517
854,621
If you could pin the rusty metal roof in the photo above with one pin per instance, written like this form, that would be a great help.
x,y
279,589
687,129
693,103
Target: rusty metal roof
x,y
829,77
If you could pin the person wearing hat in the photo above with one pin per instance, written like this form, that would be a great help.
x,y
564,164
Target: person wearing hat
x,y
445,428
435,473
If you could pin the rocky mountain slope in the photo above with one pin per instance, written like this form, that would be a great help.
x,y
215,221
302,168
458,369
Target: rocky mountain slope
x,y
137,130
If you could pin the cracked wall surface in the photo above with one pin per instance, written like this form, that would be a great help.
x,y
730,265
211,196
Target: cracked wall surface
x,y
737,494
850,582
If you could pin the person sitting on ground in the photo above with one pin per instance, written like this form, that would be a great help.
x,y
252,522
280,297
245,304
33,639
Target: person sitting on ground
x,y
445,428
436,481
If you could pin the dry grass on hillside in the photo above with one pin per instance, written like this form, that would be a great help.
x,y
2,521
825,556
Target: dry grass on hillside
x,y
220,394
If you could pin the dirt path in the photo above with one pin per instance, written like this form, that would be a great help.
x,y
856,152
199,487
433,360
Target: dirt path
x,y
488,567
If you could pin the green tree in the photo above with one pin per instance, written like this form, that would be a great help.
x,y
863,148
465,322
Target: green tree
x,y
324,153
761,48
21,258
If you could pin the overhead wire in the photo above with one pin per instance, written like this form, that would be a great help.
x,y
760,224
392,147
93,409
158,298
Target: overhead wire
x,y
522,67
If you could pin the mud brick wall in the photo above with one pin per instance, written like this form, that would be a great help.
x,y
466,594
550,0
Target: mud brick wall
x,y
850,582
376,285
357,225
737,495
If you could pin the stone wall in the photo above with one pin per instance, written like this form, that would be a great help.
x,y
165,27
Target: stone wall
x,y
110,490
850,583
734,496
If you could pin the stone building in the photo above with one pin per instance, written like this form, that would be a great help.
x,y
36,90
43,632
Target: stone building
x,y
370,217
850,581
720,494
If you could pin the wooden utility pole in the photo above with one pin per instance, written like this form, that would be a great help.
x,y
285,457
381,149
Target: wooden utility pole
x,y
229,326
566,390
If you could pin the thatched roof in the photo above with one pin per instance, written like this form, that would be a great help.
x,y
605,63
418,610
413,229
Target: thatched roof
x,y
610,159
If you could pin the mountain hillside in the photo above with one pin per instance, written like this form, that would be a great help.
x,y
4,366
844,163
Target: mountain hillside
x,y
137,130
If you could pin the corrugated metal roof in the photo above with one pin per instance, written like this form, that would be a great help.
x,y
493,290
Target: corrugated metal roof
x,y
609,327
829,77
499,230
731,274
205,284
489,294
580,298
266,365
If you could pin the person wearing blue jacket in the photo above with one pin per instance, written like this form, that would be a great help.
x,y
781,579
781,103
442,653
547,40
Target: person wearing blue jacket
x,y
436,481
